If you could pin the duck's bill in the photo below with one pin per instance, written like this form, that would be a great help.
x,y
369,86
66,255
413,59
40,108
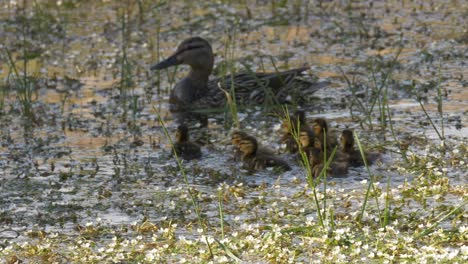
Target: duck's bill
x,y
171,61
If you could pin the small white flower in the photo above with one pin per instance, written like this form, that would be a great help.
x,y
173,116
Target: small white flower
x,y
464,250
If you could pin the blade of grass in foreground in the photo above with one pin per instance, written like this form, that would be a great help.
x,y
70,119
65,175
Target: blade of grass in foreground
x,y
371,184
294,130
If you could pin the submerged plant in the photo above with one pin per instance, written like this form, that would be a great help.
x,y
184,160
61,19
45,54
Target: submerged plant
x,y
24,87
229,69
376,92
439,98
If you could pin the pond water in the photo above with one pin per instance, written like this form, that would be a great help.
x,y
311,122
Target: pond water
x,y
93,149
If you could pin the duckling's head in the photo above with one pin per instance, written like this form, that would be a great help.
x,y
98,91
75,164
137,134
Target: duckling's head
x,y
294,121
286,126
182,134
319,126
347,139
237,137
300,116
248,145
305,138
195,51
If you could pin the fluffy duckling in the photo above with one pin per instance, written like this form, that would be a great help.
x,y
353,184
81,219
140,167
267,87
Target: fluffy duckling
x,y
254,159
306,140
236,138
183,147
335,168
350,154
297,122
323,134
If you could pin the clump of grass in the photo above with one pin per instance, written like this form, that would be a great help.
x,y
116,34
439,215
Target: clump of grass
x,y
128,98
126,81
369,186
24,87
377,92
4,91
193,197
295,131
229,69
155,56
440,133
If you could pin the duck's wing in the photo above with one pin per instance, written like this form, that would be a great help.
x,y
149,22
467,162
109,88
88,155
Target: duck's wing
x,y
251,87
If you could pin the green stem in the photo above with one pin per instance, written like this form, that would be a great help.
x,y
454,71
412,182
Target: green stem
x,y
431,228
371,184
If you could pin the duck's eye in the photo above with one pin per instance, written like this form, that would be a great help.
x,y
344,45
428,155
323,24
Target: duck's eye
x,y
193,46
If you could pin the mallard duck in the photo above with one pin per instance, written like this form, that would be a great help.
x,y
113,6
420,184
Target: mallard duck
x,y
183,147
254,160
335,168
236,138
294,124
196,91
323,135
350,154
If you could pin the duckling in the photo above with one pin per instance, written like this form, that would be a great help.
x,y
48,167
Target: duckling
x,y
297,122
254,159
236,139
324,135
351,155
335,168
183,147
306,139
